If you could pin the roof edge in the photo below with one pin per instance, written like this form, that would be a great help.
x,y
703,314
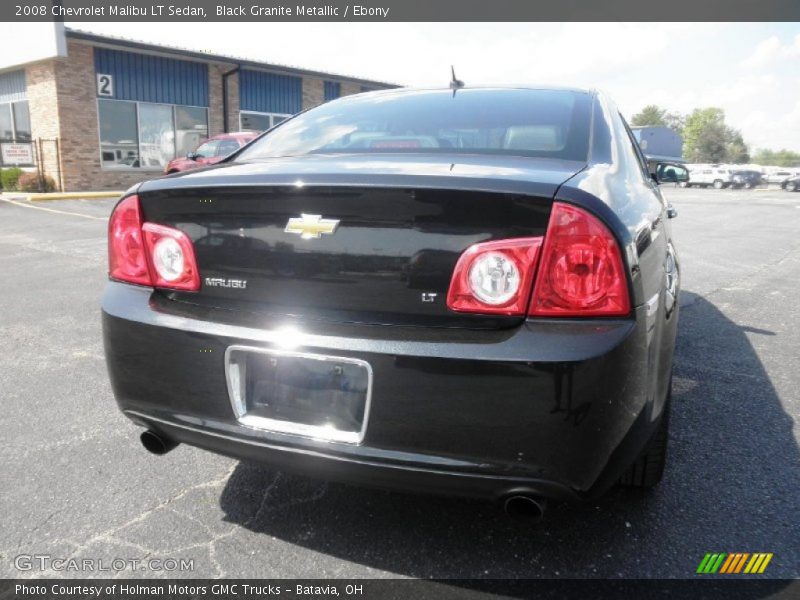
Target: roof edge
x,y
219,58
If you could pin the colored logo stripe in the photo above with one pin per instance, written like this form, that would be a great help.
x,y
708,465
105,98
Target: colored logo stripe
x,y
758,563
726,566
711,562
734,563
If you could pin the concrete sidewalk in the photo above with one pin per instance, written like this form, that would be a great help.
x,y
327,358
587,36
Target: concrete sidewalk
x,y
40,197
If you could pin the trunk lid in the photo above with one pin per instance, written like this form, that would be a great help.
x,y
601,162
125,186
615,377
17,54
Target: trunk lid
x,y
371,239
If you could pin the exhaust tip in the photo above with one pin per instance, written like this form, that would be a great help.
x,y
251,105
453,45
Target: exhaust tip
x,y
526,509
156,444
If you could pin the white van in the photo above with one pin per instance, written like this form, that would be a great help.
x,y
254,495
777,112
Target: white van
x,y
778,175
717,176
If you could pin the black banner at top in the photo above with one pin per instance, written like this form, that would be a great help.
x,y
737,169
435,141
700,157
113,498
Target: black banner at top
x,y
398,10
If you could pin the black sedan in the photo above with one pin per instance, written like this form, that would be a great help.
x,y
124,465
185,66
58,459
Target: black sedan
x,y
792,184
467,291
746,179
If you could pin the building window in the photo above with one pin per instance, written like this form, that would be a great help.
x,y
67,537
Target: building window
x,y
119,138
156,135
147,135
191,128
22,121
257,121
6,122
333,90
15,122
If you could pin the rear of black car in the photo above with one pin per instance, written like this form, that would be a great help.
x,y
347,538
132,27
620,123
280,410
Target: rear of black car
x,y
746,179
395,298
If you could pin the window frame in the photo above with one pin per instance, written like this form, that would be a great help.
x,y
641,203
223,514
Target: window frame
x,y
575,135
12,113
14,121
11,117
140,169
218,153
271,115
641,159
214,145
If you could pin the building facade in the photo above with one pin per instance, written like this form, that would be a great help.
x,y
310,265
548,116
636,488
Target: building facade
x,y
109,113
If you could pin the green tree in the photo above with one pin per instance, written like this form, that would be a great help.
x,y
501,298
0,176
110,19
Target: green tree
x,y
707,139
650,116
779,158
737,149
655,116
676,122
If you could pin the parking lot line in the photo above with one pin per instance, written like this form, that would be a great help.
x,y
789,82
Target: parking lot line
x,y
53,210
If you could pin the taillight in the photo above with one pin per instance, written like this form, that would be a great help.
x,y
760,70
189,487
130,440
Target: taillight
x,y
147,253
172,257
581,272
126,253
494,277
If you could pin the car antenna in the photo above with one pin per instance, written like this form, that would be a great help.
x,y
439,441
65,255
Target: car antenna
x,y
455,84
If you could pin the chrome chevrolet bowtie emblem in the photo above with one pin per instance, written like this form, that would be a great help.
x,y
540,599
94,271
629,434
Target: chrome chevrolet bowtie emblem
x,y
310,227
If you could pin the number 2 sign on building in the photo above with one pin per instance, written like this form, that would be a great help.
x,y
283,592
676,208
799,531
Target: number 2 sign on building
x,y
105,85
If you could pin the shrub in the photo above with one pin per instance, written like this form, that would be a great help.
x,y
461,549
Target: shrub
x,y
9,177
29,182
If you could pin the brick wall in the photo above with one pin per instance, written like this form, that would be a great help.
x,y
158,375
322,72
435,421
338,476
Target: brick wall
x,y
349,88
216,118
215,114
233,102
313,92
40,81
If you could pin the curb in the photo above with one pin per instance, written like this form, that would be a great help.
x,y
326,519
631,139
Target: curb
x,y
73,196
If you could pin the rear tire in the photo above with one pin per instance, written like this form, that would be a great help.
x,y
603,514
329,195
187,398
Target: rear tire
x,y
718,184
648,468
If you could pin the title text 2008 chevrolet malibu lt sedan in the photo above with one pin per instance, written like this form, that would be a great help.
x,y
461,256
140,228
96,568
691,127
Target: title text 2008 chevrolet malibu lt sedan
x,y
469,292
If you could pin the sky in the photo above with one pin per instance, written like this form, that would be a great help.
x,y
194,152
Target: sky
x,y
751,70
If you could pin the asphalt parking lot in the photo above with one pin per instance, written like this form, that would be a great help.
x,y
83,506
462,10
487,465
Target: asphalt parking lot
x,y
76,483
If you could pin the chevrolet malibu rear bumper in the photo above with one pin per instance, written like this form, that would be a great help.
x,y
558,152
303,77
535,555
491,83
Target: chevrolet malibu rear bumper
x,y
554,408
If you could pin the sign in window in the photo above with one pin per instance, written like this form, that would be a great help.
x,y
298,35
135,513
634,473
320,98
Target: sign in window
x,y
17,154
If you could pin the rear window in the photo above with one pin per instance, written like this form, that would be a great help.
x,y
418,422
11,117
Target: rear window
x,y
537,123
